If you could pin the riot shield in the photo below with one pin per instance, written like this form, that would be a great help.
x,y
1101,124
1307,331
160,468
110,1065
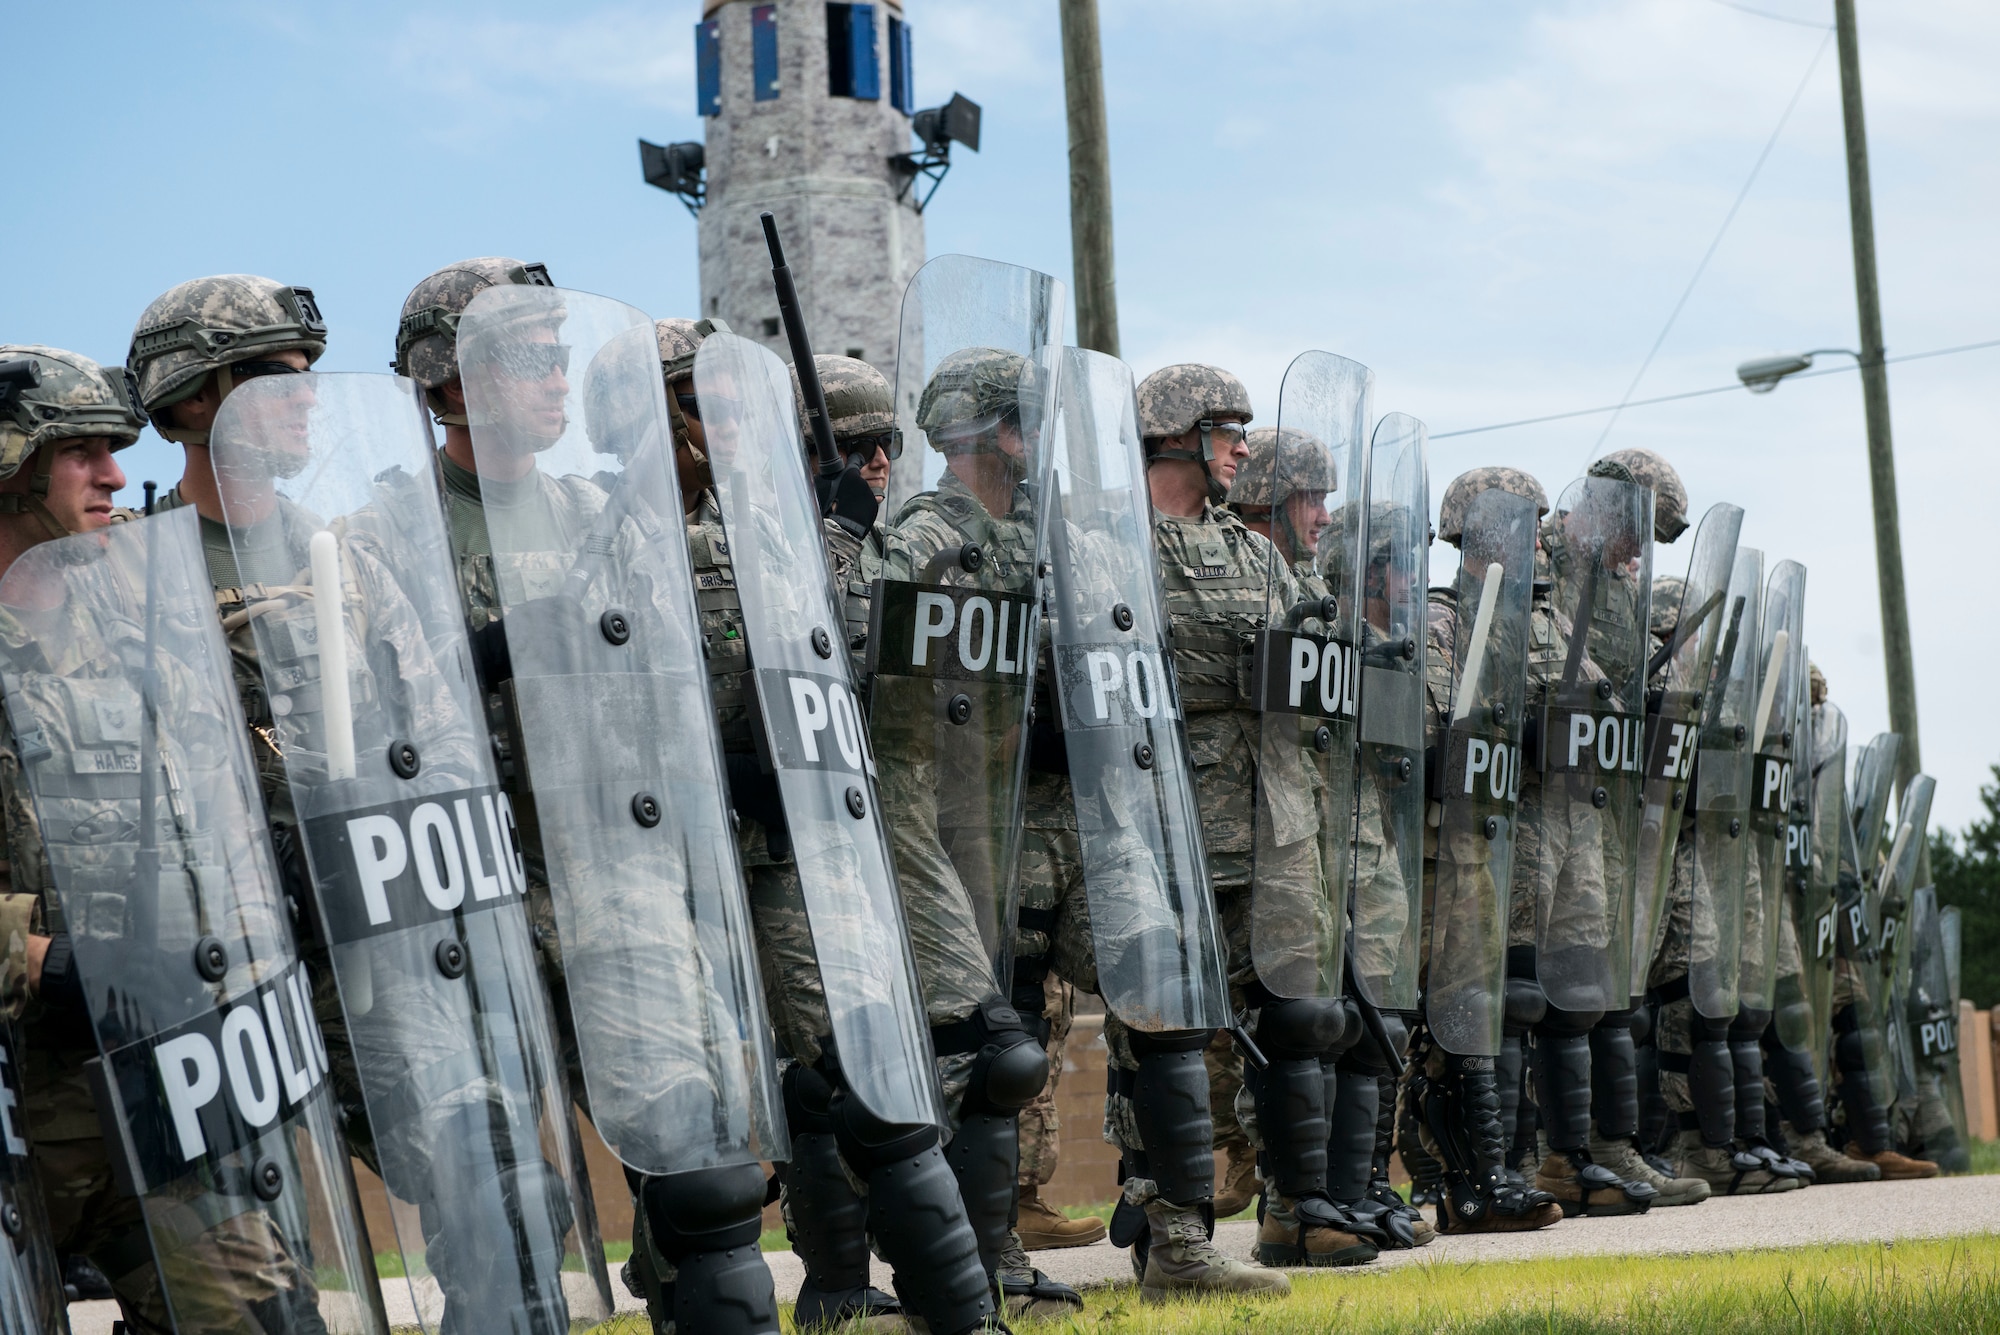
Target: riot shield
x,y
1774,732
410,846
623,804
1305,680
31,1282
1389,818
1676,677
955,636
1897,880
1478,776
1941,1043
1722,796
1874,786
811,731
212,1080
1819,916
1591,727
1159,951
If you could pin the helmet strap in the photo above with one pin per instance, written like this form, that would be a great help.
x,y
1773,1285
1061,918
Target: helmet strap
x,y
682,441
35,500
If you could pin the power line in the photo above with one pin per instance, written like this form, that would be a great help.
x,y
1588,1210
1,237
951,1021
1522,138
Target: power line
x,y
1775,18
1721,232
1701,393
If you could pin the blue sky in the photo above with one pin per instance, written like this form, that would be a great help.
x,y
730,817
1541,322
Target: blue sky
x,y
1495,206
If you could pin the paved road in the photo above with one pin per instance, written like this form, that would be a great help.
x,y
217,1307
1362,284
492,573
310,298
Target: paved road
x,y
1942,1207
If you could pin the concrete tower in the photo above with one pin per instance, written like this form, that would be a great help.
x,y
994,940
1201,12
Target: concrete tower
x,y
806,104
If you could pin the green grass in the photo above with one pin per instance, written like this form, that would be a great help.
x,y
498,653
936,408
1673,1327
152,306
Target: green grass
x,y
1985,1155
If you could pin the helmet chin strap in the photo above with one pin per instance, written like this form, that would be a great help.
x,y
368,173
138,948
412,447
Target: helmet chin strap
x,y
683,441
182,435
35,500
1218,490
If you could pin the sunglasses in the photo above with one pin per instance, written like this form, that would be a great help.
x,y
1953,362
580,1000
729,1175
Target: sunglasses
x,y
864,447
690,406
531,361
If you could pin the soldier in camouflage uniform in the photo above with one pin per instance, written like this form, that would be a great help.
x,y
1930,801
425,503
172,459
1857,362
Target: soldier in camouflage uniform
x,y
1219,582
1488,1101
56,446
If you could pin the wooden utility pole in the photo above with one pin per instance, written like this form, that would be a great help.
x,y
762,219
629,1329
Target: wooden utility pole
x,y
1896,656
1089,180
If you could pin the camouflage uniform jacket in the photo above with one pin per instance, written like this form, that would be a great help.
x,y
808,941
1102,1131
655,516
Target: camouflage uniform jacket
x,y
1220,590
1615,609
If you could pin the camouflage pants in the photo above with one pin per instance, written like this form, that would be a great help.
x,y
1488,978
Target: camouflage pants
x,y
1674,1033
1560,901
1041,1123
1465,938
1384,947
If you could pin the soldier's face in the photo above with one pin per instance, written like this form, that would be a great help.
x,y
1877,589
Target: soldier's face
x,y
82,477
532,381
1307,513
876,472
1231,449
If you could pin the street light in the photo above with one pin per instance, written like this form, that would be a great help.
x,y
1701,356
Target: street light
x,y
1762,375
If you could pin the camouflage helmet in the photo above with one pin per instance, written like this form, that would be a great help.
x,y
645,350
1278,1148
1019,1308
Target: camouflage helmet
x,y
1458,496
1299,456
205,325
679,340
1666,614
618,395
1670,498
859,401
1818,683
971,393
47,395
427,334
1173,399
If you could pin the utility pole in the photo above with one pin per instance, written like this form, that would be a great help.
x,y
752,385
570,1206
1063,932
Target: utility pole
x,y
1896,656
1089,180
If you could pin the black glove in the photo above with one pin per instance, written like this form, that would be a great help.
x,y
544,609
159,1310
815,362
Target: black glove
x,y
846,498
62,985
544,637
755,796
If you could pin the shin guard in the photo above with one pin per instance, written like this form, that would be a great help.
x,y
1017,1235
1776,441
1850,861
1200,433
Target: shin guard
x,y
1746,1056
707,1222
1614,1077
1797,1083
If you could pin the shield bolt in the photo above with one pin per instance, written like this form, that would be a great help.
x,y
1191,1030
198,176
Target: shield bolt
x,y
1680,796
450,956
10,1219
1604,688
1142,755
960,709
1409,649
267,1180
1741,733
857,805
404,760
617,627
1499,711
970,557
1491,829
1405,768
211,960
1121,617
1600,798
822,642
1735,828
1329,609
1323,739
646,809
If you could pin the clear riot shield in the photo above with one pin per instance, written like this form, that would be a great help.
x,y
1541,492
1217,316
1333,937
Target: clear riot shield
x,y
1722,796
1478,776
1389,817
1899,873
623,803
1159,951
1874,786
1818,915
1950,939
410,846
955,635
812,734
1676,676
212,1079
1306,680
32,1301
1774,734
1591,726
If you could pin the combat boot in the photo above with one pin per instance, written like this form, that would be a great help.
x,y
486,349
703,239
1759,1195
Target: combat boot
x,y
1622,1158
1285,1239
1044,1228
1029,1293
1727,1170
1181,1260
1895,1167
1829,1164
1240,1183
1584,1187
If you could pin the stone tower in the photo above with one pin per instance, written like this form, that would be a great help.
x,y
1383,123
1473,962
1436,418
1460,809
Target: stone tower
x,y
805,103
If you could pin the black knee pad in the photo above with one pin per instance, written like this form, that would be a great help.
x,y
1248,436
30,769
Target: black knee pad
x,y
1567,1022
1011,1068
1645,1021
868,1143
1527,1004
1614,1077
1170,1106
808,1100
709,1209
1707,1029
1302,1028
1749,1025
1562,1070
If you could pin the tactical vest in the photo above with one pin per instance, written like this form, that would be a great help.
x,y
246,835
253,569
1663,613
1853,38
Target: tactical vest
x,y
1217,594
722,639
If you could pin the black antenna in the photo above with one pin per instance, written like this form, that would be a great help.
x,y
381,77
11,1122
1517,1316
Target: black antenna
x,y
802,353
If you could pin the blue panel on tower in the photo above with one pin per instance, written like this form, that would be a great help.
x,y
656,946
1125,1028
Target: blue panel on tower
x,y
764,51
902,88
865,63
708,68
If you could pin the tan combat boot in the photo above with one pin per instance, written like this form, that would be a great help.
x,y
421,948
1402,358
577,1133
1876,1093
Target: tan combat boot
x,y
1726,1171
1239,1185
1283,1239
1583,1186
1895,1167
1624,1160
1182,1261
1044,1228
1827,1163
